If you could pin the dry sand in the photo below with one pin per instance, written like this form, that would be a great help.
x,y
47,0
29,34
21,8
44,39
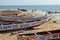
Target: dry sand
x,y
7,36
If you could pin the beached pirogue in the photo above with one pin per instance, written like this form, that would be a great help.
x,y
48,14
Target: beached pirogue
x,y
34,36
14,25
18,18
6,25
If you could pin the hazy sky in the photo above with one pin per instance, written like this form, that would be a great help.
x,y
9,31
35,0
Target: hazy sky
x,y
29,2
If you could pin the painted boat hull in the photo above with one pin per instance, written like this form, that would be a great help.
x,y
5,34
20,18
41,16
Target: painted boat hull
x,y
18,26
18,19
41,36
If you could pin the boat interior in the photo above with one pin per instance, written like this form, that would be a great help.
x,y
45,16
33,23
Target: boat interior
x,y
55,36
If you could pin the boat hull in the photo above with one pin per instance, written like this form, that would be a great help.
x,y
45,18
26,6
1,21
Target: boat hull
x,y
18,19
18,26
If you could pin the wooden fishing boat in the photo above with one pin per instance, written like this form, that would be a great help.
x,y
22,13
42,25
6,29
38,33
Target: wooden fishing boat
x,y
39,36
53,37
20,24
15,26
18,18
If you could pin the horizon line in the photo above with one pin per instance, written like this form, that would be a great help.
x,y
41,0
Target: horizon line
x,y
18,5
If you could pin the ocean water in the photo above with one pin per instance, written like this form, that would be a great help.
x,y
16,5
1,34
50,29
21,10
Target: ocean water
x,y
37,7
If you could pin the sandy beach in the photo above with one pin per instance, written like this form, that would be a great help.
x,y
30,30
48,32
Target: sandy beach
x,y
7,36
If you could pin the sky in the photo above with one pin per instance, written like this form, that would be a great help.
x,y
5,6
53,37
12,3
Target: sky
x,y
29,2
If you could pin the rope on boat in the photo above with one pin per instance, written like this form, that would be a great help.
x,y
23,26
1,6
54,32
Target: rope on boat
x,y
49,32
